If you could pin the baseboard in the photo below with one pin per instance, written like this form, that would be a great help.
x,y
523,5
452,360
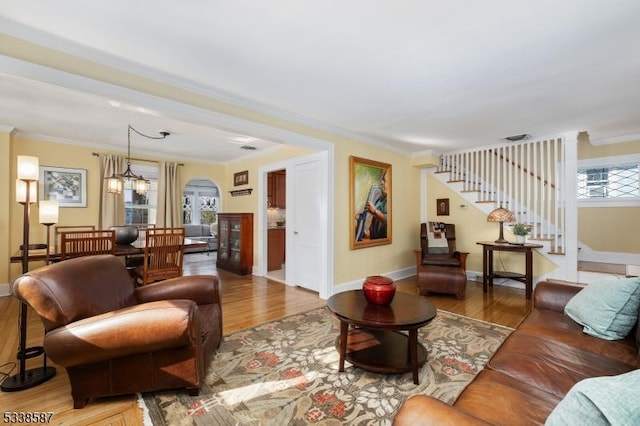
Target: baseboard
x,y
357,284
5,289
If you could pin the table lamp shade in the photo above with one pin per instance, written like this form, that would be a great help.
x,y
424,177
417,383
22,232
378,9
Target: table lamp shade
x,y
500,215
49,211
28,167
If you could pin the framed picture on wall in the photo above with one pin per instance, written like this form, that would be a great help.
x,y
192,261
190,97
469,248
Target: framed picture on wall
x,y
369,202
442,206
241,178
67,186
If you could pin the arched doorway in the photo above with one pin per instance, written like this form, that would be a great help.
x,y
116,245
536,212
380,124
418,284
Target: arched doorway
x,y
200,207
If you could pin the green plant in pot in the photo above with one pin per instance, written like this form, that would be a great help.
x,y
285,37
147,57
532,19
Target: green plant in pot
x,y
520,231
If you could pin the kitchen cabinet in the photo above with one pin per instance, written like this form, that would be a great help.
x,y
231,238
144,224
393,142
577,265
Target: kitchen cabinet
x,y
275,248
235,242
277,189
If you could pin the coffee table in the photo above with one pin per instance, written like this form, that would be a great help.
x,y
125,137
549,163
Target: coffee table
x,y
375,342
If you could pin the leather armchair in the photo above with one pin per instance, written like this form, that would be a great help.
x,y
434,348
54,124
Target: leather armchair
x,y
451,258
441,269
113,338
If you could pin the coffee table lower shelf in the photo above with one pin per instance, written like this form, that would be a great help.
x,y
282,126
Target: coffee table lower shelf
x,y
381,351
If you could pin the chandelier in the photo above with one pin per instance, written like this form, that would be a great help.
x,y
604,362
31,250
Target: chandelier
x,y
115,183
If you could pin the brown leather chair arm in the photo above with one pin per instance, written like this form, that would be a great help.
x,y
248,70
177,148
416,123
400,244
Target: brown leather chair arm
x,y
462,257
554,296
423,410
202,289
142,328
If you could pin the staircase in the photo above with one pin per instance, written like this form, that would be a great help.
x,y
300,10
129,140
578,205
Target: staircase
x,y
536,180
526,178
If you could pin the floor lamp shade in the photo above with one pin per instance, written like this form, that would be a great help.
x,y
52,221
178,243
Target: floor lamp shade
x,y
48,212
28,167
21,191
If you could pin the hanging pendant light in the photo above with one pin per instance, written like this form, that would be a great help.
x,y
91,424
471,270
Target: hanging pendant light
x,y
115,183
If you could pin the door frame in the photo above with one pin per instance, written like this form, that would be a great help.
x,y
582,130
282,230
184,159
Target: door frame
x,y
325,158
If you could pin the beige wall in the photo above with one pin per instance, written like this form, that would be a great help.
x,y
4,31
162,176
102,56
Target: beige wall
x,y
405,195
609,229
71,156
471,227
6,171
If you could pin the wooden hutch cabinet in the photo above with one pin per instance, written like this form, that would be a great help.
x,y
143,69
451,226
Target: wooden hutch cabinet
x,y
235,242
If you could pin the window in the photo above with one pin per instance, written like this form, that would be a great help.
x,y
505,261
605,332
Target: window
x,y
200,204
612,180
141,209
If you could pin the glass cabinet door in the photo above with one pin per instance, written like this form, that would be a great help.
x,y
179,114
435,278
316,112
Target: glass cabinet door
x,y
224,239
235,240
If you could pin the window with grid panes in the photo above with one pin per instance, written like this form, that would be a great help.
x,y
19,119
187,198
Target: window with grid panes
x,y
610,181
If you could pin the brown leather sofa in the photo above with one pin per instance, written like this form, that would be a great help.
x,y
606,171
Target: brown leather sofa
x,y
532,371
113,338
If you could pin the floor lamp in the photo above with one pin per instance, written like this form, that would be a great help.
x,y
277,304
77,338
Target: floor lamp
x,y
26,194
48,217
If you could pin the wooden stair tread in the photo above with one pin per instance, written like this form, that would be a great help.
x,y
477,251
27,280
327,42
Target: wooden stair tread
x,y
602,267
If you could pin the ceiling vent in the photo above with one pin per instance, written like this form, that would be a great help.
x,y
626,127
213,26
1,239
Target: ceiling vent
x,y
517,138
248,147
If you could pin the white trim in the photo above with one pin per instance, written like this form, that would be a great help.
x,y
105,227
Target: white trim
x,y
56,43
162,107
5,289
356,284
609,161
7,129
616,139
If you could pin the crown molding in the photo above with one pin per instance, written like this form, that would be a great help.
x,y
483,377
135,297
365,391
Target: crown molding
x,y
616,139
7,129
50,41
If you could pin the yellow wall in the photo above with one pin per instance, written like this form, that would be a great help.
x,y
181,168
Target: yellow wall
x,y
471,227
405,195
71,156
5,211
608,229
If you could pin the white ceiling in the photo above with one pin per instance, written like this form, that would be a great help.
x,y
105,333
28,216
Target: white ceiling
x,y
415,74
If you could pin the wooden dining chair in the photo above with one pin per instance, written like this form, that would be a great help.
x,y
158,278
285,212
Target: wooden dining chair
x,y
58,230
87,243
163,255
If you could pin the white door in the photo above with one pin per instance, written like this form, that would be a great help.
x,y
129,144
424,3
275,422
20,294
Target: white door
x,y
306,183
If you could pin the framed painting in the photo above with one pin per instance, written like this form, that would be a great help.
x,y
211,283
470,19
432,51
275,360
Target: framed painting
x,y
241,178
67,186
369,203
443,206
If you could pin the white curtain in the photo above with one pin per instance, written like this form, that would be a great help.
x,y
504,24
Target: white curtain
x,y
169,213
111,205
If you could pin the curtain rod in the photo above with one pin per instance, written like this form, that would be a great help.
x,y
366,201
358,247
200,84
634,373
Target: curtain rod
x,y
97,154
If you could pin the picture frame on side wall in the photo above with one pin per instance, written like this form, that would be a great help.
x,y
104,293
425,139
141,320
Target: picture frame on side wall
x,y
67,186
369,202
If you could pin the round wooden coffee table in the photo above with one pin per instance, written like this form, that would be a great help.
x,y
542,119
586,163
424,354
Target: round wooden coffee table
x,y
375,342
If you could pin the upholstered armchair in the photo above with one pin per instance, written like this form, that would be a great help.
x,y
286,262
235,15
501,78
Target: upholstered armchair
x,y
440,267
113,338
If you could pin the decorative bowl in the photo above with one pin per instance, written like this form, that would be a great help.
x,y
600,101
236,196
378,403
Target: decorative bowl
x,y
379,290
125,234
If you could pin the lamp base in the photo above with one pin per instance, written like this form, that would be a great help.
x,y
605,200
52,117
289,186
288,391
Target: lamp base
x,y
501,241
32,378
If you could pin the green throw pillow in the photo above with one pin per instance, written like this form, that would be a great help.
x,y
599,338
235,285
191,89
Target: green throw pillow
x,y
608,308
600,401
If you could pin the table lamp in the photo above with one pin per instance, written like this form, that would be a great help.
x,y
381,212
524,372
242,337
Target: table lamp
x,y
500,215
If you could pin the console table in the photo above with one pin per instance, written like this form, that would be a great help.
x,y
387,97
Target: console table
x,y
488,274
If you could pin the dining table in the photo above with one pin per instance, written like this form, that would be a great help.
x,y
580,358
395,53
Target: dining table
x,y
135,248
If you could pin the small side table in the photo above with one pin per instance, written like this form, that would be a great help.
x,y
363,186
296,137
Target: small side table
x,y
488,274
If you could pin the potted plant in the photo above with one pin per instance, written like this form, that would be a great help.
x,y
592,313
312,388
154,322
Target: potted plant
x,y
520,231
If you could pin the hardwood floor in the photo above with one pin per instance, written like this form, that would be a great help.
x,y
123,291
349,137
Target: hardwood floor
x,y
247,301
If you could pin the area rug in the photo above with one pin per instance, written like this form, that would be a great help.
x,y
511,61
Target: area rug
x,y
285,372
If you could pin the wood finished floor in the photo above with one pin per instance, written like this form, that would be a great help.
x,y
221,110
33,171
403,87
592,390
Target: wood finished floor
x,y
247,301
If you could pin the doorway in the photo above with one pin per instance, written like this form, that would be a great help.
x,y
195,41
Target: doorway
x,y
276,224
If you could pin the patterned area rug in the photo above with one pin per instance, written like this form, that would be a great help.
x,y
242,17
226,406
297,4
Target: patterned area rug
x,y
286,373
